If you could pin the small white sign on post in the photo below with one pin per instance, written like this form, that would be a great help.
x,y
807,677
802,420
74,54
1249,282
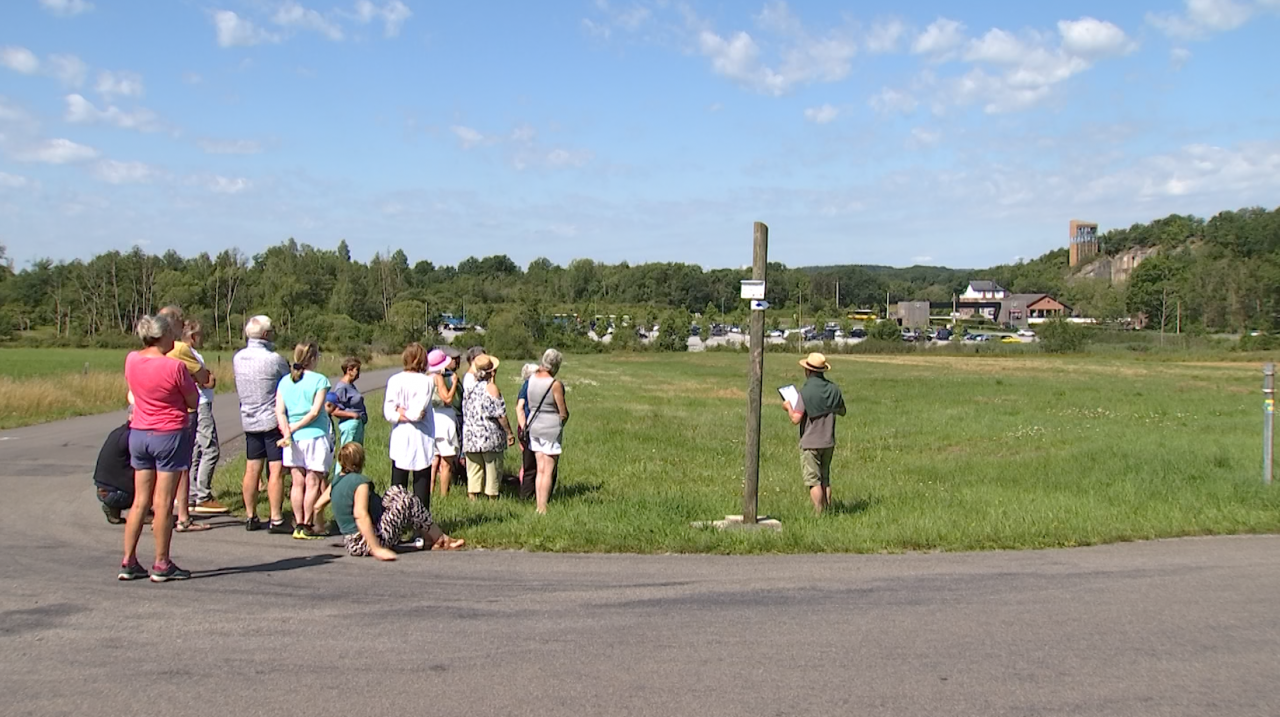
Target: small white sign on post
x,y
753,289
759,305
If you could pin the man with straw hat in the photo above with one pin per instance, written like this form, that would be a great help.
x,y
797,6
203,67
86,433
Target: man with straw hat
x,y
817,405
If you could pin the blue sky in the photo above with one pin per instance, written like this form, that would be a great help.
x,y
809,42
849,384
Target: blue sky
x,y
964,134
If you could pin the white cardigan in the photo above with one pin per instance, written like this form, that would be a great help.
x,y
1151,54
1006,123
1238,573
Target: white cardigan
x,y
413,443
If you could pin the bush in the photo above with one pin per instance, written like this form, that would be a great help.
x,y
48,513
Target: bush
x,y
508,336
1261,342
1062,337
885,330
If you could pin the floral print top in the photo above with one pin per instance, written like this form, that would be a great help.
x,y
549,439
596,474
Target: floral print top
x,y
481,432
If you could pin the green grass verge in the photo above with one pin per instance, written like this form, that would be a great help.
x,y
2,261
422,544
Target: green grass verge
x,y
937,453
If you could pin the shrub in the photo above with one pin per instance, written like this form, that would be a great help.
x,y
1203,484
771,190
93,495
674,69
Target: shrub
x,y
1261,342
1062,337
885,330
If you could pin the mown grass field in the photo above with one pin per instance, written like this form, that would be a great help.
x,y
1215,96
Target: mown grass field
x,y
38,385
937,453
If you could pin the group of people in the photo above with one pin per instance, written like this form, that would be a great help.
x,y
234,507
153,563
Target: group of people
x,y
440,423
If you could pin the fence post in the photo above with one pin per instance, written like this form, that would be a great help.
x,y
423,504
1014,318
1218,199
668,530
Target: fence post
x,y
1268,418
755,381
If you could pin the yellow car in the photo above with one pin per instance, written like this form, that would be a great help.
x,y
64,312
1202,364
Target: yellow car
x,y
1011,340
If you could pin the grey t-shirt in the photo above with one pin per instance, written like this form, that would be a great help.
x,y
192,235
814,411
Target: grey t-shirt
x,y
816,433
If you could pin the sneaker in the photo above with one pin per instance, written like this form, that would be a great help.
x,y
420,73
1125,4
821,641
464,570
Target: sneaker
x,y
168,571
133,571
281,528
210,507
253,524
309,534
113,514
299,532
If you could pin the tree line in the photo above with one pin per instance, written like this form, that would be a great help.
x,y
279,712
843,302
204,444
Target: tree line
x,y
1217,274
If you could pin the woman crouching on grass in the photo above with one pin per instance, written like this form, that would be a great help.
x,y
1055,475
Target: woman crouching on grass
x,y
372,524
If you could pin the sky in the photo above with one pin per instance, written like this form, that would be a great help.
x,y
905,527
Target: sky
x,y
899,133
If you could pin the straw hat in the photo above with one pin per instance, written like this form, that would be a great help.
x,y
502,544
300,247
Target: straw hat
x,y
485,363
816,362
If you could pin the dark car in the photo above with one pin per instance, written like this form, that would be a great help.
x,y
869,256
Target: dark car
x,y
829,335
943,335
858,333
695,330
718,330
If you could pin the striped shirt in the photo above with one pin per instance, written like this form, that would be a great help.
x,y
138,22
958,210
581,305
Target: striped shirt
x,y
258,370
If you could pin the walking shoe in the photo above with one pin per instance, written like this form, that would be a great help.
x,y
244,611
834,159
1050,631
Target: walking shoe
x,y
113,514
168,571
209,507
253,524
132,571
281,528
309,534
299,532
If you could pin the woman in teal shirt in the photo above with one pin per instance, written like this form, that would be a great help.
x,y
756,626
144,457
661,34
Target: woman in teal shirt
x,y
307,441
372,524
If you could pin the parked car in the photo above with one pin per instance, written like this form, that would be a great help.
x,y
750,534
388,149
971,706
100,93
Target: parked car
x,y
718,330
1011,340
942,335
777,334
1027,333
695,330
858,333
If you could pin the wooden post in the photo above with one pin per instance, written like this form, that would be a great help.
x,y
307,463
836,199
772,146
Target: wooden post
x,y
1268,419
755,380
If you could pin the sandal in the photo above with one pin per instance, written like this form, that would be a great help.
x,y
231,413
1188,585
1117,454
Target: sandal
x,y
189,526
447,543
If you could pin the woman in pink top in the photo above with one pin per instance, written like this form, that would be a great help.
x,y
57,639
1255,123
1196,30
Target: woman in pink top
x,y
159,444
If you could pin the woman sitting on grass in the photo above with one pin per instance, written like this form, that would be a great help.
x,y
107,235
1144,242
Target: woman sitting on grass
x,y
372,524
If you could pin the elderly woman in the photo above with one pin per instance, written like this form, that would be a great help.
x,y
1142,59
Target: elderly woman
x,y
159,444
485,430
306,436
407,407
528,461
546,422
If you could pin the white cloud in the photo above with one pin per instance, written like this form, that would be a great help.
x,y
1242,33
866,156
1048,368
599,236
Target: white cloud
x,y
940,39
56,151
229,146
1204,17
393,15
1178,57
123,84
13,181
891,101
921,137
884,36
1089,37
116,172
921,259
68,69
234,30
467,136
821,115
82,111
66,8
557,158
293,14
227,185
523,133
19,59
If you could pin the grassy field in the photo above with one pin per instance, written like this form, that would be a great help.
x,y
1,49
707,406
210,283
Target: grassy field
x,y
937,453
48,384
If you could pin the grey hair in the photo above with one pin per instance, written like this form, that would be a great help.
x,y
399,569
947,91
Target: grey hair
x,y
257,327
527,371
551,360
151,329
473,352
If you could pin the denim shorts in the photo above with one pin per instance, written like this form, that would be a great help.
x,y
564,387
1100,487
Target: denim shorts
x,y
166,451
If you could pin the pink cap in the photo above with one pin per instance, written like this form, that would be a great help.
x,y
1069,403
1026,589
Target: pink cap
x,y
436,361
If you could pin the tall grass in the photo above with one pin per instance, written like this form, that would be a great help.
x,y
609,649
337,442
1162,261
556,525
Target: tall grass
x,y
41,385
937,453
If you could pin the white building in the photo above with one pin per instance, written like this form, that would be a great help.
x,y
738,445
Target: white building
x,y
983,291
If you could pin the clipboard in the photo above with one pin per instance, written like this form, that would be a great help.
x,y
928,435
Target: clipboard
x,y
789,394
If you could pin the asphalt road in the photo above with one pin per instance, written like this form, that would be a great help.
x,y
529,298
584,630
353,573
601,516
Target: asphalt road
x,y
276,626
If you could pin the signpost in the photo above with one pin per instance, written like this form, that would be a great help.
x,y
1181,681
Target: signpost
x,y
1268,418
754,291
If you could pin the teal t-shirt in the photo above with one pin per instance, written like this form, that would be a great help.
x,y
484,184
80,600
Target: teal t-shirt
x,y
300,397
342,496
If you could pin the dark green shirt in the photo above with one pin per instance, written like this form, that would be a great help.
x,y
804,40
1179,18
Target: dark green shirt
x,y
342,495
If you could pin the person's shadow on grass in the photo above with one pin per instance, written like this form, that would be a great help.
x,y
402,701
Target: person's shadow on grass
x,y
276,566
850,507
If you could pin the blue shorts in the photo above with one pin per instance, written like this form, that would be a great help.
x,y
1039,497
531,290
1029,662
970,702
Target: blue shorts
x,y
166,451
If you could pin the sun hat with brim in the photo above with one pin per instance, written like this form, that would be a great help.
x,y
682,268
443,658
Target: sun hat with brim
x,y
816,362
436,361
485,362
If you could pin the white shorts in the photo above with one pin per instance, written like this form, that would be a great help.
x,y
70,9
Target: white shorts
x,y
312,454
550,448
447,443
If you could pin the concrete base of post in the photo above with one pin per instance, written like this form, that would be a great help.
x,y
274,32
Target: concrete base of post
x,y
735,522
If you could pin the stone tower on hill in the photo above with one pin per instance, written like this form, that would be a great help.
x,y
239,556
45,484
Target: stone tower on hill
x,y
1084,242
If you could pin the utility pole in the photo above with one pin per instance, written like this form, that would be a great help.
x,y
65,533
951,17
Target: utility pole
x,y
1268,418
755,380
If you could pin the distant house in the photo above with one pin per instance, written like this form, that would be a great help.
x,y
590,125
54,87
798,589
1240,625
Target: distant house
x,y
1025,309
983,291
